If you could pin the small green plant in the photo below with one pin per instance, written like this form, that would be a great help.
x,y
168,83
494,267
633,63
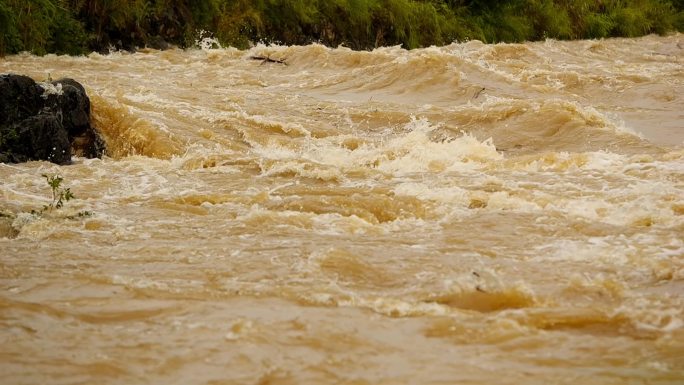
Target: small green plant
x,y
59,195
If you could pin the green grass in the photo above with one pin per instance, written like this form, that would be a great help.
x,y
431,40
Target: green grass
x,y
78,26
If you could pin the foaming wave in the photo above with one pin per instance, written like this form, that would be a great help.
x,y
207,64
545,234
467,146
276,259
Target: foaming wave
x,y
396,73
205,41
127,134
319,56
412,150
529,126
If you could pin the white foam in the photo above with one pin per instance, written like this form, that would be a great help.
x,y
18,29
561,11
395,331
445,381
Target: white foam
x,y
51,89
408,152
205,41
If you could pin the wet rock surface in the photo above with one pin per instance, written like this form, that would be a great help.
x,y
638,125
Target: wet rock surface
x,y
45,121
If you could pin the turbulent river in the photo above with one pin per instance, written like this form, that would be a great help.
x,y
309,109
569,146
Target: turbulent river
x,y
469,214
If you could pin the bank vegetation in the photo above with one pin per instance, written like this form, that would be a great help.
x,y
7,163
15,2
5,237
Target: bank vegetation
x,y
79,26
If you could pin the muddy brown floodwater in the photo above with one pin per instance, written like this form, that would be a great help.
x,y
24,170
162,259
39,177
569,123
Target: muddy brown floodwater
x,y
469,214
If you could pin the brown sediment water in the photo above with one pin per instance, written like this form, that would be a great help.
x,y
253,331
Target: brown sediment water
x,y
468,214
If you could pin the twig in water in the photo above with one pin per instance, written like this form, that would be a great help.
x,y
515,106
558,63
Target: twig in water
x,y
267,59
478,93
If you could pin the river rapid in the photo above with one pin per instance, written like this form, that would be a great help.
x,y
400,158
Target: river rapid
x,y
468,214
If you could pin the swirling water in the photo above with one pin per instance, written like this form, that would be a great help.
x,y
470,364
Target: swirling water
x,y
470,214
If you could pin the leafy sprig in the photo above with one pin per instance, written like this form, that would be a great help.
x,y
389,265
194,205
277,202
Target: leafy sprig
x,y
59,195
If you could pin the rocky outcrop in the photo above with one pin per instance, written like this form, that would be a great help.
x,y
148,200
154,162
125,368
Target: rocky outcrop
x,y
157,42
45,121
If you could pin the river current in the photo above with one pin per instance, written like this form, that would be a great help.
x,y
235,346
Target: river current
x,y
468,214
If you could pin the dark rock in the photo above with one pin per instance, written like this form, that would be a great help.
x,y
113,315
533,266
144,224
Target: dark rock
x,y
74,109
39,137
19,98
73,104
157,42
47,121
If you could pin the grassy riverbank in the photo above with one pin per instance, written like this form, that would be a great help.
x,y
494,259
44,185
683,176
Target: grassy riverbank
x,y
78,26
